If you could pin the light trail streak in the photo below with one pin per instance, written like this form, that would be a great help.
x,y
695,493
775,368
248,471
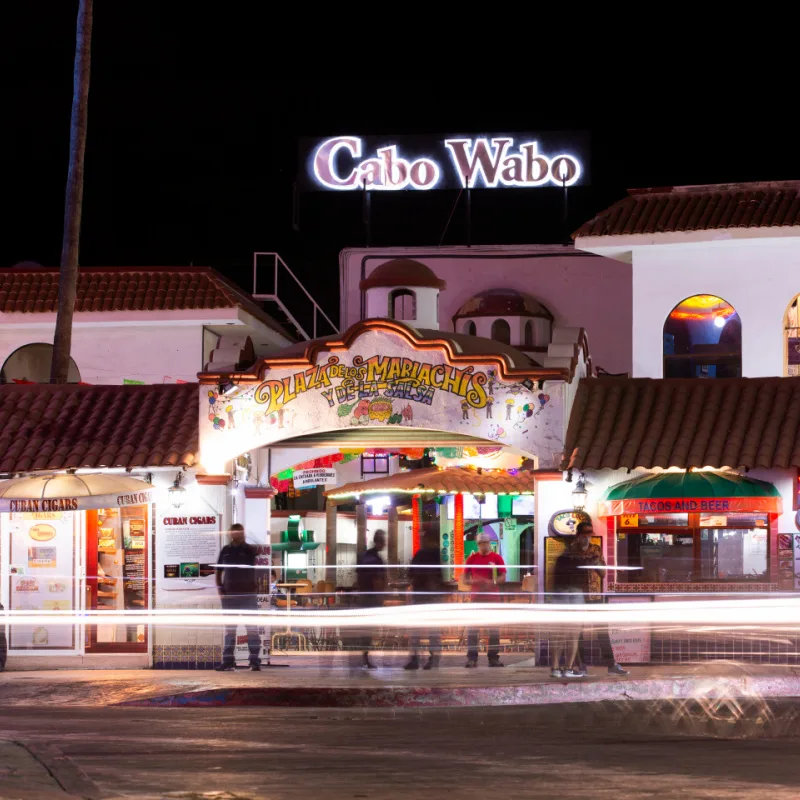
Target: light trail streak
x,y
761,613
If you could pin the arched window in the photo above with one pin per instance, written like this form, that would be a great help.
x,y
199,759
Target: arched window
x,y
791,333
528,334
31,364
469,328
703,339
501,331
403,305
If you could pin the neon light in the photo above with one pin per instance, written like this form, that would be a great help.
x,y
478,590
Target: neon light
x,y
416,522
458,530
478,163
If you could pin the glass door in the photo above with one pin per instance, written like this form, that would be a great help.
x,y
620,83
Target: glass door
x,y
43,576
116,577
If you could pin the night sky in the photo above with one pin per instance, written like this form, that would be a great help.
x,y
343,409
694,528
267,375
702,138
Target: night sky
x,y
193,136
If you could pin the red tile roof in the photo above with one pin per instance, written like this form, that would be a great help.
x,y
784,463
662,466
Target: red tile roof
x,y
452,479
46,427
624,423
698,208
402,272
30,290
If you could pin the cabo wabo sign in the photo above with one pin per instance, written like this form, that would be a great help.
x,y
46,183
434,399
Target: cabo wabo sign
x,y
348,163
381,380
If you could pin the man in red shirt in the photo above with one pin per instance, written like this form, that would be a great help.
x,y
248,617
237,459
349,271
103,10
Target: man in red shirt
x,y
485,571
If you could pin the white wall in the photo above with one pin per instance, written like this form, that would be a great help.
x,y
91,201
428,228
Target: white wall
x,y
109,355
758,278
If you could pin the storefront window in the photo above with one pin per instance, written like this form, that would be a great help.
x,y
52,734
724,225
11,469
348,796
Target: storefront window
x,y
707,547
703,339
42,576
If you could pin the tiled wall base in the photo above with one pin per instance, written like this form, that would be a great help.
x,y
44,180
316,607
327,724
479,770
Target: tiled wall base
x,y
186,656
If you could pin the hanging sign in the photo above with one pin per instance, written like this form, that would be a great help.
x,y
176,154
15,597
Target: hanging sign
x,y
394,163
564,523
305,478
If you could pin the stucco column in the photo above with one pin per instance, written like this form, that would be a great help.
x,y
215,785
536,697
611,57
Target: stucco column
x,y
393,542
361,528
330,543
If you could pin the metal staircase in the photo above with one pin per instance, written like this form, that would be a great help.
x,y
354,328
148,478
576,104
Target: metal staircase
x,y
321,324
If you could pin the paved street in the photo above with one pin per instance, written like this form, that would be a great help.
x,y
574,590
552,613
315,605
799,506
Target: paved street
x,y
556,752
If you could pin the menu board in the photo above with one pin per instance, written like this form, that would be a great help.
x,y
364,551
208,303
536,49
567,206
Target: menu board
x,y
42,576
187,546
554,546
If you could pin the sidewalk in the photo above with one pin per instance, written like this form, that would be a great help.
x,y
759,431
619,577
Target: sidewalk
x,y
325,680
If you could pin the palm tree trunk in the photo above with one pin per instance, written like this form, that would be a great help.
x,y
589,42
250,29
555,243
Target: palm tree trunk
x,y
73,204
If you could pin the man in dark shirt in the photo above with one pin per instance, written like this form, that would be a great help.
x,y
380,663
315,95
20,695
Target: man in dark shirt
x,y
590,582
236,584
425,573
371,581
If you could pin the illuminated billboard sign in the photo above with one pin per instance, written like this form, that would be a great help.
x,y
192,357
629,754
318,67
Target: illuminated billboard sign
x,y
354,163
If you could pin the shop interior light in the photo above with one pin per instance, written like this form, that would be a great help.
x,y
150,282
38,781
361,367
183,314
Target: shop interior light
x,y
378,505
177,492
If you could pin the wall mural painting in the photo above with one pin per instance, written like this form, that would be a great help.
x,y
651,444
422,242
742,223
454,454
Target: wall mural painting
x,y
381,381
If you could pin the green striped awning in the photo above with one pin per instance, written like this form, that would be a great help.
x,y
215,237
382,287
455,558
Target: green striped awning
x,y
681,492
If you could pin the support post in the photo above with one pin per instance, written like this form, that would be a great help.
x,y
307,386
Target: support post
x,y
361,528
331,573
393,541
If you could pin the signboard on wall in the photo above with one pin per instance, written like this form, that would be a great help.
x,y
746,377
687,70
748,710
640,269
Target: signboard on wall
x,y
187,545
630,645
380,380
396,163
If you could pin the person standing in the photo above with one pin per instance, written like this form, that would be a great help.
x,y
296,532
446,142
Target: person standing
x,y
589,555
425,573
564,641
485,571
236,584
371,581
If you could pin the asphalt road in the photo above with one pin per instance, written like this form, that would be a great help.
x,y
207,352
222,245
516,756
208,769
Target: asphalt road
x,y
634,751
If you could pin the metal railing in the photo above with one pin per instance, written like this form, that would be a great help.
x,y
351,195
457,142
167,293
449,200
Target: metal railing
x,y
273,296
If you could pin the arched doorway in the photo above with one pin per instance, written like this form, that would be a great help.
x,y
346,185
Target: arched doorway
x,y
501,331
31,364
702,338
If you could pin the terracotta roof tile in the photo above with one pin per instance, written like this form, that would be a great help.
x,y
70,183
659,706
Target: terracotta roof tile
x,y
33,290
698,208
452,479
625,423
44,427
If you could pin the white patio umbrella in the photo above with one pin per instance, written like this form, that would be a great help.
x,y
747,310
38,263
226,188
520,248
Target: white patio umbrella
x,y
66,492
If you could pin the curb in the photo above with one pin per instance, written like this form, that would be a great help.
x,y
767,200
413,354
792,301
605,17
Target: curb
x,y
556,692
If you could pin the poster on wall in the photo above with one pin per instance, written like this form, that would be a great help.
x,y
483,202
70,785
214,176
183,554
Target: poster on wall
x,y
382,379
630,645
187,546
42,576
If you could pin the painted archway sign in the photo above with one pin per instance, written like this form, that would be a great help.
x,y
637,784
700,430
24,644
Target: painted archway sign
x,y
381,374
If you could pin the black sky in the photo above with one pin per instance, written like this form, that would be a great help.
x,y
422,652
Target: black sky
x,y
193,129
